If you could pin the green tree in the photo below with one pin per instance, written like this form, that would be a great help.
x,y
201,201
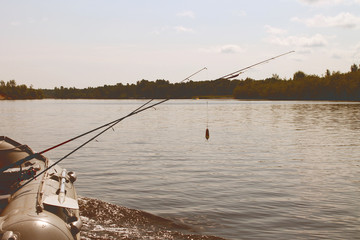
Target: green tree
x,y
299,75
328,73
354,68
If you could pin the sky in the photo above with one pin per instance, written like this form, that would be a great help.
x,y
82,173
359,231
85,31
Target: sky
x,y
90,43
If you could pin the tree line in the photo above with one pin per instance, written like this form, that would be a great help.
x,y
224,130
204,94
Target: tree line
x,y
330,86
158,89
10,90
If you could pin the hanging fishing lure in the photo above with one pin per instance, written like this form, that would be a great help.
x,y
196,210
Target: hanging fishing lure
x,y
111,124
105,128
233,75
207,133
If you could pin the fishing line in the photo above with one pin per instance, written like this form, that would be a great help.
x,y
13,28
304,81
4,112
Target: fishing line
x,y
207,133
238,72
90,140
137,110
228,76
110,126
21,161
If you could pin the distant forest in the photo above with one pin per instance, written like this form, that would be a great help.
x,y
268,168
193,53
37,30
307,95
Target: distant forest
x,y
10,90
333,86
330,86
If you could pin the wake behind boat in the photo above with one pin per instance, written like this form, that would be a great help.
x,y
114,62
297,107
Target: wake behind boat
x,y
48,206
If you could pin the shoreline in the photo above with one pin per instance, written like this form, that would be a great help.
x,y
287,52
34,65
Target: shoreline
x,y
3,98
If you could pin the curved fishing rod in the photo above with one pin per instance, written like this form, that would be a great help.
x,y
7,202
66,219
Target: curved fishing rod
x,y
137,110
88,141
188,78
21,161
238,72
109,125
113,123
228,76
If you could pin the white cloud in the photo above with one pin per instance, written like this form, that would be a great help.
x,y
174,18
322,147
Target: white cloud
x,y
336,55
15,23
160,31
225,49
230,49
242,13
188,14
182,29
274,31
344,20
168,30
317,40
321,2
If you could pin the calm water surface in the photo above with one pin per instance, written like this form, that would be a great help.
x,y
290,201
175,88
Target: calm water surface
x,y
270,170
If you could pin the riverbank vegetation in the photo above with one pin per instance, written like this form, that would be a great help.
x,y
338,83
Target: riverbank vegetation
x,y
10,90
331,86
159,89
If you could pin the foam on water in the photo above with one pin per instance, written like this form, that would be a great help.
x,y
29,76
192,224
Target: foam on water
x,y
102,220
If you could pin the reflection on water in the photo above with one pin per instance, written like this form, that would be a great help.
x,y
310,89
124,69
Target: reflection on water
x,y
271,169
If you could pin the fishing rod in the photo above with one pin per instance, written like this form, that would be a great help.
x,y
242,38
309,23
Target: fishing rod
x,y
238,72
88,141
109,125
21,161
188,78
136,111
233,75
228,76
113,123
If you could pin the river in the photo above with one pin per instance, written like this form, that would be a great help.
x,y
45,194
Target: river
x,y
270,169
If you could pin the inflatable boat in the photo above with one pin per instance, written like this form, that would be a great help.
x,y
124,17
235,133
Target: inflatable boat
x,y
34,206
